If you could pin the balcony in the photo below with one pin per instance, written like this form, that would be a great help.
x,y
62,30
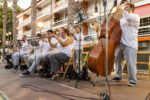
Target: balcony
x,y
26,21
61,23
87,16
45,28
60,5
46,11
27,33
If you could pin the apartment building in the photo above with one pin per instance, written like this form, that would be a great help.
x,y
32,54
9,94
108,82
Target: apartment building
x,y
142,9
54,14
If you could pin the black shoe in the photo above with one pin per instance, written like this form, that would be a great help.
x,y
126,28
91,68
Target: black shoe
x,y
8,66
131,84
116,79
27,73
16,67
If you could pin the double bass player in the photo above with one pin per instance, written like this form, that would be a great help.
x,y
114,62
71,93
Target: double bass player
x,y
128,44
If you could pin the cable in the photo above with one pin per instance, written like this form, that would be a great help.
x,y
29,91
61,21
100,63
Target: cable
x,y
147,96
34,88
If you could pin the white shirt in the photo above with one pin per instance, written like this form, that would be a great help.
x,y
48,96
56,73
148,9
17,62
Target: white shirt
x,y
38,49
46,46
67,49
76,44
25,48
129,26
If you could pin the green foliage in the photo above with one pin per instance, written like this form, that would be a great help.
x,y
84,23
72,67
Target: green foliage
x,y
9,19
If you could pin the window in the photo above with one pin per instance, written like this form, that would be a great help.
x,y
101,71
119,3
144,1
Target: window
x,y
145,21
144,26
143,31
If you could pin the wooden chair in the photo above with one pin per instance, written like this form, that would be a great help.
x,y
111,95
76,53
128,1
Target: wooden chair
x,y
84,56
67,64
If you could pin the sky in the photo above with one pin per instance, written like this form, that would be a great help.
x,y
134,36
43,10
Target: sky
x,y
24,3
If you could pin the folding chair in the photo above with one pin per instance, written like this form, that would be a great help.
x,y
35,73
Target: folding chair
x,y
84,57
66,64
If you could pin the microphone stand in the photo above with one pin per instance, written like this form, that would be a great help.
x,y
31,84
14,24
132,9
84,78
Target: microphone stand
x,y
105,95
19,66
81,19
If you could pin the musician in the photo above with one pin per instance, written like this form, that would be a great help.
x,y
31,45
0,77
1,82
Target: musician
x,y
35,51
8,56
46,48
63,52
23,50
78,39
128,44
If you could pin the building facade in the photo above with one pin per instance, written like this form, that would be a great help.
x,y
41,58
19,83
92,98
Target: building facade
x,y
142,9
54,14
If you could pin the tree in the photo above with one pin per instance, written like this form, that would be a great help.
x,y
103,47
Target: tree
x,y
8,21
14,20
73,8
4,24
33,16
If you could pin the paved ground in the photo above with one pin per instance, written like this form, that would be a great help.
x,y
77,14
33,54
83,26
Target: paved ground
x,y
36,88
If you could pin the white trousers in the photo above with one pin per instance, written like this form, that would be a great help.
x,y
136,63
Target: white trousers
x,y
128,54
16,56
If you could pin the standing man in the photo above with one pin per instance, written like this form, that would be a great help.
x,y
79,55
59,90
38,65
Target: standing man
x,y
128,44
78,38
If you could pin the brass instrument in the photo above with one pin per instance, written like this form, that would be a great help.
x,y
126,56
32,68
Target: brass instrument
x,y
41,37
95,26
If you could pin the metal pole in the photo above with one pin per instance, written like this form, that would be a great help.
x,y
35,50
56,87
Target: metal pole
x,y
106,97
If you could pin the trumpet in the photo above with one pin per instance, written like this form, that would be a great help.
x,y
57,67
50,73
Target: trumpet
x,y
95,26
41,37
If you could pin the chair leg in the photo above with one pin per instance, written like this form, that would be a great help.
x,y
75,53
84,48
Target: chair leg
x,y
66,69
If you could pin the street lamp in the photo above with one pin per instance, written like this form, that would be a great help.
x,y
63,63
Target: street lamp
x,y
9,33
40,25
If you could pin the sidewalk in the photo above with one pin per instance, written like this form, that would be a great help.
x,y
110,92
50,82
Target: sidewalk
x,y
18,88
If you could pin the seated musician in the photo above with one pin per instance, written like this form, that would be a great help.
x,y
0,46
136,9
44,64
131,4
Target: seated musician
x,y
8,56
45,50
63,52
23,50
128,44
35,51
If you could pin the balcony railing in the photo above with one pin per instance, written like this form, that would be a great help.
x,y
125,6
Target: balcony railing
x,y
46,26
60,23
60,5
25,22
45,11
27,33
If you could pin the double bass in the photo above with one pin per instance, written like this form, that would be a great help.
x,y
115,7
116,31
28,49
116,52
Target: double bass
x,y
96,59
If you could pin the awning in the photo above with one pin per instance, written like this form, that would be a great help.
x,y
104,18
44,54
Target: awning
x,y
143,11
144,38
